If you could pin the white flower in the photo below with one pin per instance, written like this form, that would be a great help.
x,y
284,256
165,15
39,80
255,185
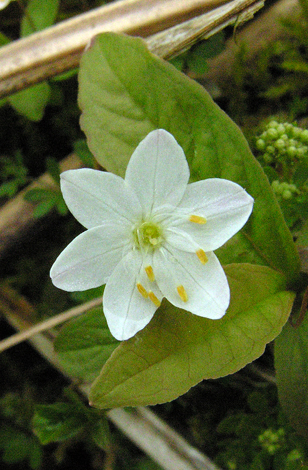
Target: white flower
x,y
4,3
150,235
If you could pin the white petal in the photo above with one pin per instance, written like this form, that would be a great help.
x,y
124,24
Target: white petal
x,y
96,196
158,171
90,258
4,3
225,205
125,309
206,285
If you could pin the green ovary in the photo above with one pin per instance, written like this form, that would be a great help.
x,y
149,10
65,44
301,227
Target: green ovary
x,y
148,235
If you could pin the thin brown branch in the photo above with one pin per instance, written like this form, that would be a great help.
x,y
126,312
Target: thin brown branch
x,y
171,42
16,216
48,324
302,313
58,49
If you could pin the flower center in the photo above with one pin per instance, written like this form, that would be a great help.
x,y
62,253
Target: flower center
x,y
148,235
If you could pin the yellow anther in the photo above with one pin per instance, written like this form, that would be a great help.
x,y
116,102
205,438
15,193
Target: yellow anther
x,y
154,299
182,293
142,290
150,273
202,256
197,219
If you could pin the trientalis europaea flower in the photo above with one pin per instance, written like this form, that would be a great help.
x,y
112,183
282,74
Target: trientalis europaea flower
x,y
150,235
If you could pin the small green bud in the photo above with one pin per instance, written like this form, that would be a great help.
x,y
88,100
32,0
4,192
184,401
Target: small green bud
x,y
260,144
270,149
272,124
275,186
288,126
272,133
293,142
304,135
280,144
284,137
294,455
281,129
291,151
300,152
287,194
296,131
267,158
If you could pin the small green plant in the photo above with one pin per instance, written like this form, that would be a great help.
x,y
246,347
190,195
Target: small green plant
x,y
283,152
17,443
48,198
258,437
14,175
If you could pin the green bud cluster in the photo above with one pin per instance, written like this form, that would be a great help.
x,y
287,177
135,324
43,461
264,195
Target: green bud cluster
x,y
284,190
282,142
272,440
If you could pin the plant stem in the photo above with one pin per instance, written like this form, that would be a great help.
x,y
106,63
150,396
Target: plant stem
x,y
302,311
47,324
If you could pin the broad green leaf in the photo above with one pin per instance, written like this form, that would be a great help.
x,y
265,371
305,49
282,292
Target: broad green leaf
x,y
39,15
85,344
57,422
291,362
177,349
126,92
32,101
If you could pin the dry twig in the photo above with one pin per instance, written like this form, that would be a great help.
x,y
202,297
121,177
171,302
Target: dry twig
x,y
58,49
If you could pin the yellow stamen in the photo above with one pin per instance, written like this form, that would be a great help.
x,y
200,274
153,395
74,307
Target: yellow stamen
x,y
154,299
142,290
182,293
202,256
197,219
150,273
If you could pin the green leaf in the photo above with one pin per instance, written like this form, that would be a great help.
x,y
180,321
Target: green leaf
x,y
57,422
43,208
291,362
32,101
177,349
203,50
37,194
85,344
83,152
4,40
126,92
39,15
53,169
100,432
17,445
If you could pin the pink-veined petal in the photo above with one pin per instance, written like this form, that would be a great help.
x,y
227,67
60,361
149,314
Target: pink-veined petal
x,y
158,171
94,197
125,308
90,258
206,285
225,205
